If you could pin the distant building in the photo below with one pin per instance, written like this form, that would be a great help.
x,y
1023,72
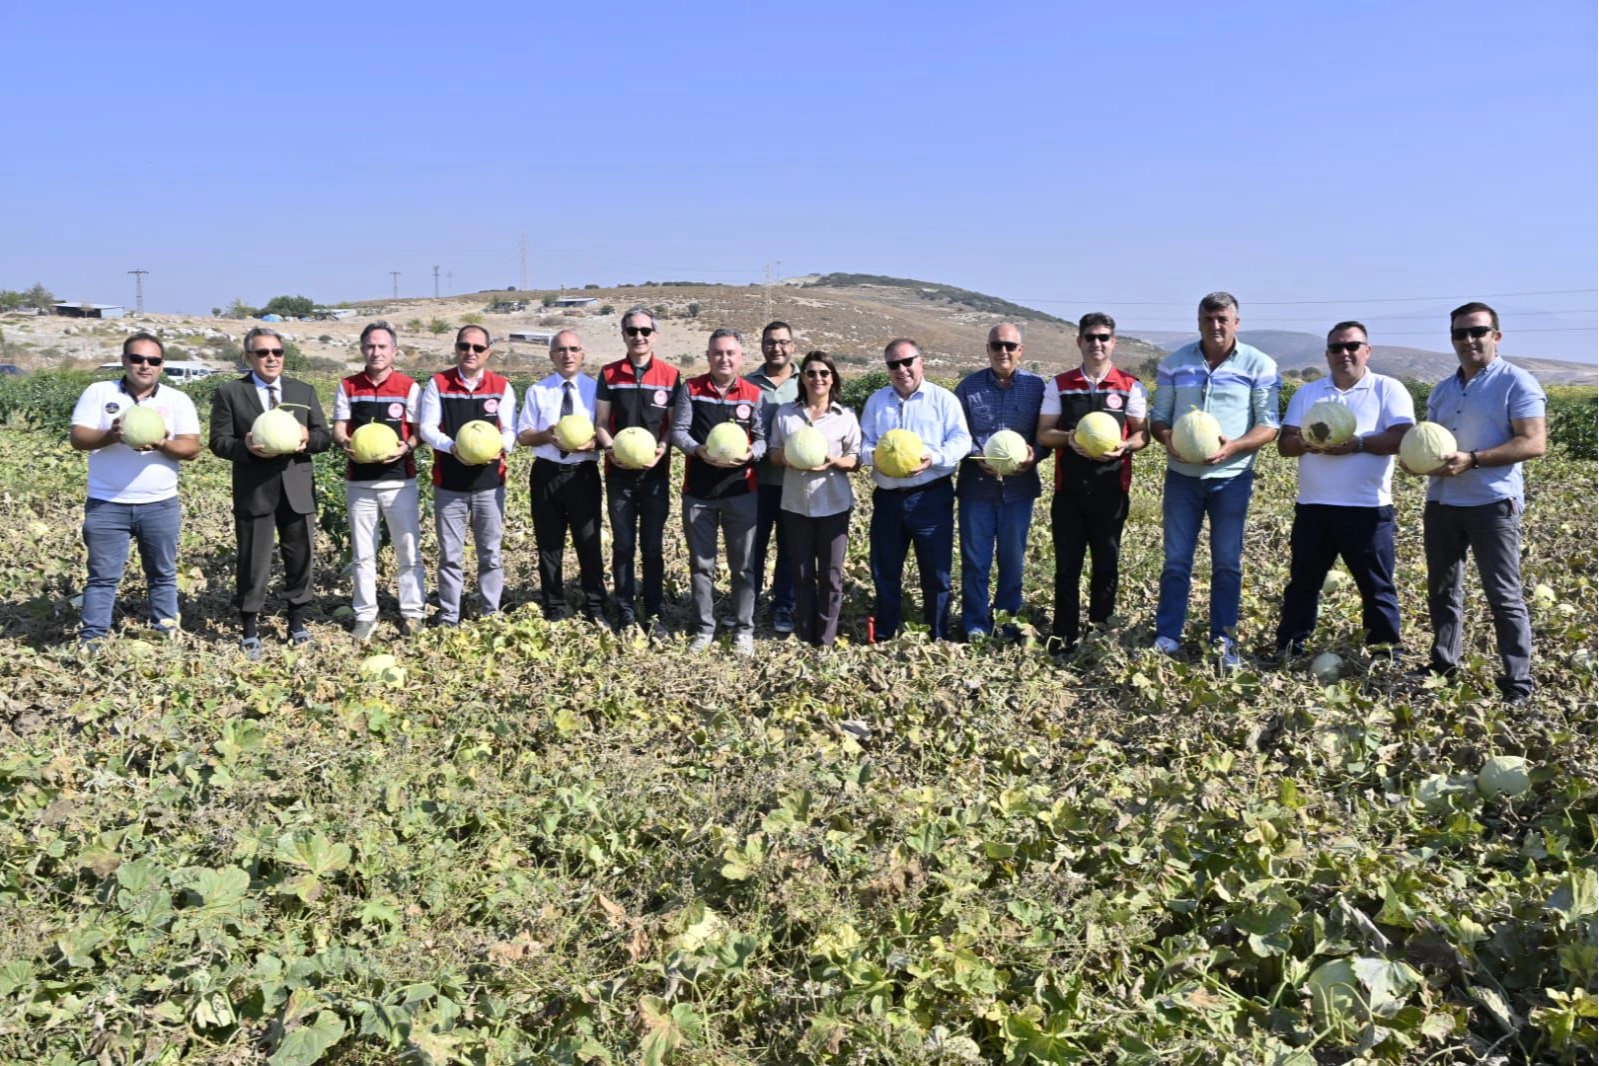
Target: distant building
x,y
573,301
333,314
87,310
531,336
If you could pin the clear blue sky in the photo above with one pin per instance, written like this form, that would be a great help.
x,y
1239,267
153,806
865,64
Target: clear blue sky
x,y
1314,159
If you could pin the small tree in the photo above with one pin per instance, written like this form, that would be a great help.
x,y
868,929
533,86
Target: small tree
x,y
437,326
39,296
693,310
472,319
415,325
290,306
239,309
294,360
548,301
607,309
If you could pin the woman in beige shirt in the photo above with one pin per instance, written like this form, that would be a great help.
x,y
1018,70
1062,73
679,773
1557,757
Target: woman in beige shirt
x,y
817,502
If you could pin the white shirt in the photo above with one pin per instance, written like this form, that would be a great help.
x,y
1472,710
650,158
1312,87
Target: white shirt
x,y
1361,479
430,409
541,409
263,391
118,474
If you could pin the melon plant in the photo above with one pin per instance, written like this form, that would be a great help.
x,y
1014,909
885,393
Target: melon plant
x,y
374,442
1425,447
1503,775
1329,423
574,431
805,448
1196,436
142,427
898,452
633,448
1097,434
1005,451
478,442
276,432
728,442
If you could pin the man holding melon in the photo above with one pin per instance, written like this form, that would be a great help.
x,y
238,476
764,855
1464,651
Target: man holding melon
x,y
1095,419
468,417
717,423
136,433
557,422
268,426
1345,430
1475,495
1215,406
374,422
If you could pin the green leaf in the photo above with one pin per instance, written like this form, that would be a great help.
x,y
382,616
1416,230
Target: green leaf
x,y
306,1045
218,889
313,852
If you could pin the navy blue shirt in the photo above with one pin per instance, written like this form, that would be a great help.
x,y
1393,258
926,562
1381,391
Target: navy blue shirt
x,y
989,409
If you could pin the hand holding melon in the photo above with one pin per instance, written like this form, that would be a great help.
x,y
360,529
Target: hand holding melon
x,y
276,432
1098,436
142,428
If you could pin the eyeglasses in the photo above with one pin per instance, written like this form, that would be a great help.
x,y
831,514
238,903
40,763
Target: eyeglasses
x,y
143,360
1098,338
467,346
770,343
1346,346
561,349
1474,332
1009,346
901,364
261,353
818,373
639,331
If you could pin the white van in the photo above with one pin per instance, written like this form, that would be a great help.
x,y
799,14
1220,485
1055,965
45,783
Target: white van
x,y
180,373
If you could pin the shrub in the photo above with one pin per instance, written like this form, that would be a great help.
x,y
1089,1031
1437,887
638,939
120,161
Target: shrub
x,y
437,326
607,309
1574,421
414,325
472,318
290,306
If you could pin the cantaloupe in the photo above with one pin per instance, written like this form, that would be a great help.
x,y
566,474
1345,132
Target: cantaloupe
x,y
374,442
1503,775
574,431
1196,436
805,448
478,442
1005,451
898,452
1097,434
1328,424
633,448
1425,447
143,426
276,432
728,442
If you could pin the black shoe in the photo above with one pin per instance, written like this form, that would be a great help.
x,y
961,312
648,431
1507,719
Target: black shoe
x,y
1432,670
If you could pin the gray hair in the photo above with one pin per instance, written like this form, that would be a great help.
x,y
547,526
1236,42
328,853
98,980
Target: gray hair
x,y
725,332
373,327
1218,301
258,331
633,312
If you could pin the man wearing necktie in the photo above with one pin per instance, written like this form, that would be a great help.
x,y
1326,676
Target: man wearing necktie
x,y
271,493
564,487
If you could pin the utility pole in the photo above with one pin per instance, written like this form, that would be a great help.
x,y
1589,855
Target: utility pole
x,y
449,280
766,304
524,263
435,283
395,274
138,289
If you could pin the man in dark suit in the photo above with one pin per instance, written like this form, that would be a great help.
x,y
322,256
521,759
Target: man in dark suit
x,y
270,492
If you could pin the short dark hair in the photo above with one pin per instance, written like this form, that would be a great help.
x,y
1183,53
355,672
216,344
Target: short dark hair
x,y
1473,308
888,349
725,331
1218,301
836,393
1349,324
143,336
1096,318
775,324
373,327
464,330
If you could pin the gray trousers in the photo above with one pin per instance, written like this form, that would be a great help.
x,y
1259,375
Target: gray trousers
x,y
484,511
735,518
1492,533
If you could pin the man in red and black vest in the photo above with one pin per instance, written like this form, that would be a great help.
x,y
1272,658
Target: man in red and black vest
x,y
386,487
720,490
637,390
1090,506
467,494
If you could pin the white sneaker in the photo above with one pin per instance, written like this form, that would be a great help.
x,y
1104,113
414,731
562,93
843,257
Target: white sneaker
x,y
1166,645
744,644
1227,650
699,643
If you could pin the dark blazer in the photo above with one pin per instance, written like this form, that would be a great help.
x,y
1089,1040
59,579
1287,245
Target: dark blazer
x,y
258,484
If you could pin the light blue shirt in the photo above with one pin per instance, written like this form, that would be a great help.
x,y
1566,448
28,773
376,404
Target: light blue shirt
x,y
1479,412
932,413
1242,393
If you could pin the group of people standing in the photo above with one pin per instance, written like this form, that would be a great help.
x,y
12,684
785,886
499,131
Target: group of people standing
x,y
757,501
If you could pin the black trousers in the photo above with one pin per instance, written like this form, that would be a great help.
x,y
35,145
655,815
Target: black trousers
x,y
638,506
816,548
566,497
1088,523
253,568
1364,537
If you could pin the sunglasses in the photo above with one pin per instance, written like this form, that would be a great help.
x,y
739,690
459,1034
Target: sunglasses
x,y
818,373
1474,332
144,360
901,364
260,353
639,331
1098,338
1346,346
466,346
1009,346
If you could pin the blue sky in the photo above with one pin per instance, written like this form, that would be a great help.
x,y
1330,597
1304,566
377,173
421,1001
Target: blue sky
x,y
1383,161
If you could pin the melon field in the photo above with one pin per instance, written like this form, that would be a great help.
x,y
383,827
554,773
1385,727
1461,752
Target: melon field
x,y
536,842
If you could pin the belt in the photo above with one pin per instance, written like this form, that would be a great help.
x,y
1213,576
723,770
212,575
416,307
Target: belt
x,y
923,487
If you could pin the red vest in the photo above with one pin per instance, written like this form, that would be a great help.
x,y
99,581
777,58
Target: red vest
x,y
741,404
639,401
379,403
459,405
1079,396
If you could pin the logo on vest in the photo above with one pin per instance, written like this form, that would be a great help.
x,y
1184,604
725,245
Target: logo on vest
x,y
660,398
490,406
1114,402
742,412
396,410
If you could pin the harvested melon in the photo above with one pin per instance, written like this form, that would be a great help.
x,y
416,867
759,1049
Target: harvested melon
x,y
1425,447
142,427
898,452
805,448
478,442
728,442
633,448
374,442
1005,451
276,432
1328,424
1196,436
574,431
1097,434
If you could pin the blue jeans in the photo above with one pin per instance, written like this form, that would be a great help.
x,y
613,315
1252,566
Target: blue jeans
x,y
923,517
987,526
1186,502
107,529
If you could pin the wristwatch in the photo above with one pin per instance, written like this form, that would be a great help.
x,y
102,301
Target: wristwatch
x,y
1360,443
1476,464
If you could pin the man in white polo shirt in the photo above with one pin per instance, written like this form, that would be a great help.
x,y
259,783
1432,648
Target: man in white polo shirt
x,y
133,494
1345,503
564,487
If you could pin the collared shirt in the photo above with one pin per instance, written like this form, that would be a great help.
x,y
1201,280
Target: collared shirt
x,y
541,409
767,472
932,413
700,407
989,408
264,391
1359,479
1479,412
1242,393
117,473
816,493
